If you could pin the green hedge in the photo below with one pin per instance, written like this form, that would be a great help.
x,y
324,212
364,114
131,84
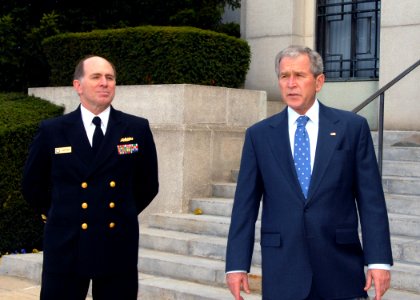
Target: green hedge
x,y
154,55
20,227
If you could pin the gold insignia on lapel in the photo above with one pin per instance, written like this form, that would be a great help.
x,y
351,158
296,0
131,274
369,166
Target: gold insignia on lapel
x,y
126,139
333,133
63,150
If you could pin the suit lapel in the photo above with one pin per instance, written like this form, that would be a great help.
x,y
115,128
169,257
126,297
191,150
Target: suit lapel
x,y
280,146
329,133
76,135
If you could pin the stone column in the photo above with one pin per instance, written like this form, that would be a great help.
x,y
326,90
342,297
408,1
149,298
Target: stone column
x,y
269,26
400,32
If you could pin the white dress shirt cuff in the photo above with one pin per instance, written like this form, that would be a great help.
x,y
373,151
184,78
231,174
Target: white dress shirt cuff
x,y
236,271
380,266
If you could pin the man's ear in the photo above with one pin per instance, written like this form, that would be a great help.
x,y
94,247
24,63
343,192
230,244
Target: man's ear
x,y
77,86
319,82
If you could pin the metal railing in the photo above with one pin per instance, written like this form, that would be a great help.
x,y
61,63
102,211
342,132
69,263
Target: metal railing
x,y
381,94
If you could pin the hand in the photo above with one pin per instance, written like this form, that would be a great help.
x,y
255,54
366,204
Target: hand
x,y
236,282
381,280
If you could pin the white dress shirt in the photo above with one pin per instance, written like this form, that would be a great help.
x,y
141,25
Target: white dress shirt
x,y
87,118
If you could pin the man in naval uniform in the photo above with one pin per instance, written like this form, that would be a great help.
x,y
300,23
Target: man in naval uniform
x,y
90,173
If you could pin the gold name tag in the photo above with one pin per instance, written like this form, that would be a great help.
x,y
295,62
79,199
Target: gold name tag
x,y
63,150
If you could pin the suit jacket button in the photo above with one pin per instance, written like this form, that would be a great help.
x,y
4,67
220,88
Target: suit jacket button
x,y
84,226
111,204
84,185
112,184
84,205
111,225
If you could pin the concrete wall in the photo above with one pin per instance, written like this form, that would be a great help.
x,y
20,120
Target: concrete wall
x,y
198,131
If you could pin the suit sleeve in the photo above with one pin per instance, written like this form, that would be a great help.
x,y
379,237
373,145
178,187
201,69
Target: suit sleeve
x,y
371,202
36,188
245,210
146,183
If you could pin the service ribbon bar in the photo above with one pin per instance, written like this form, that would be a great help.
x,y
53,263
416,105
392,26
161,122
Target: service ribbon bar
x,y
127,149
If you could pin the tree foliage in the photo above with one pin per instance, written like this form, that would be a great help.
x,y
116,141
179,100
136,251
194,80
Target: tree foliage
x,y
25,23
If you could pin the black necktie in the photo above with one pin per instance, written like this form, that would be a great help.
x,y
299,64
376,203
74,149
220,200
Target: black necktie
x,y
98,135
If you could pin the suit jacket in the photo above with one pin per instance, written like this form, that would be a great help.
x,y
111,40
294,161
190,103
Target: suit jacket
x,y
314,241
63,179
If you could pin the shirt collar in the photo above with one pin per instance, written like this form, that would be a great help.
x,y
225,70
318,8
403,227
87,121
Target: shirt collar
x,y
312,113
87,116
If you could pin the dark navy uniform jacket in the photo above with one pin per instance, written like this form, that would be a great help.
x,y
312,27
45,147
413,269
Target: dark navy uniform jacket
x,y
91,203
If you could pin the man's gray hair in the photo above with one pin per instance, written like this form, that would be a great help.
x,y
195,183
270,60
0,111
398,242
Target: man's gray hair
x,y
317,66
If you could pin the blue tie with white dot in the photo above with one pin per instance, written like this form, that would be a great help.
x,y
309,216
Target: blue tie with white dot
x,y
302,154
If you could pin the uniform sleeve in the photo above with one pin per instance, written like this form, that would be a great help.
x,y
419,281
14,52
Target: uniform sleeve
x,y
146,182
36,187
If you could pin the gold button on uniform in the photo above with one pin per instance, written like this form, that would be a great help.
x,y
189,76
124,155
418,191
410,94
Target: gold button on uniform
x,y
111,225
111,205
112,184
84,185
84,226
84,205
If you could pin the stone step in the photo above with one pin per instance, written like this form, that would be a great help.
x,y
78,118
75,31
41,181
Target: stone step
x,y
191,268
223,189
156,287
28,266
400,224
190,223
406,249
192,244
406,277
401,153
212,206
391,137
401,168
403,204
400,204
200,240
407,225
401,185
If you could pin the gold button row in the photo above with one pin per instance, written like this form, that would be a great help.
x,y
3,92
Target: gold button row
x,y
112,184
85,225
85,205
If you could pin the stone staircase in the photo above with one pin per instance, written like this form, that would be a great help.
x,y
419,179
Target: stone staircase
x,y
181,256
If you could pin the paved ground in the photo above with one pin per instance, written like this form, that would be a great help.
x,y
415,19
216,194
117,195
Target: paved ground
x,y
14,288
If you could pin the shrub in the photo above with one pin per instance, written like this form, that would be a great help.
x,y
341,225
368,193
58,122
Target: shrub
x,y
19,118
154,55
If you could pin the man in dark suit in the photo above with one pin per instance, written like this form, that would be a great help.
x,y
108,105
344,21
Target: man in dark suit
x,y
90,178
310,245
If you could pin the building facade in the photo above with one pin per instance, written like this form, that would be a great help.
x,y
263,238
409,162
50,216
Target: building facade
x,y
365,45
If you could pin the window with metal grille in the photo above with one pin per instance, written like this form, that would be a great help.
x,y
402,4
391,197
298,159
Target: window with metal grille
x,y
348,38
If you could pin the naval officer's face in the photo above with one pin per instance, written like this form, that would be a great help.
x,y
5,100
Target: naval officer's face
x,y
97,87
298,85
